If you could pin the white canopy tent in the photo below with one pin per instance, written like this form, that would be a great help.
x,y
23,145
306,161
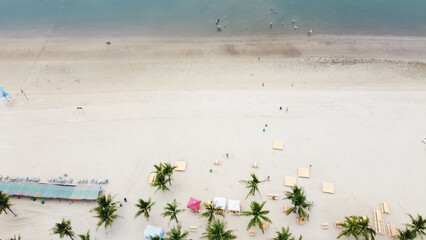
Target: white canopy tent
x,y
220,202
234,205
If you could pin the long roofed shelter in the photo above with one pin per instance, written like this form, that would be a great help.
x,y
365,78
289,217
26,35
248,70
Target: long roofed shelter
x,y
45,190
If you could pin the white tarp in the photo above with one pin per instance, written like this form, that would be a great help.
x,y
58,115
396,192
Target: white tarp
x,y
234,205
153,231
220,202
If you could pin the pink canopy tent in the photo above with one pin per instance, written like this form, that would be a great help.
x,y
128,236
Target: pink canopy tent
x,y
194,204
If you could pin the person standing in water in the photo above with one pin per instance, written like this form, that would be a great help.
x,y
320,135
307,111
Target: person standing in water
x,y
294,21
270,25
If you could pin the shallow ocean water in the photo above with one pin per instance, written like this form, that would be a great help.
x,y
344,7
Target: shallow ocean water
x,y
197,17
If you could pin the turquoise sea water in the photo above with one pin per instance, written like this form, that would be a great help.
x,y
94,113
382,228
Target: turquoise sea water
x,y
197,17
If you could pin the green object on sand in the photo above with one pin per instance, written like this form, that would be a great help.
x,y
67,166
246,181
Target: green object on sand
x,y
211,170
263,130
121,204
42,201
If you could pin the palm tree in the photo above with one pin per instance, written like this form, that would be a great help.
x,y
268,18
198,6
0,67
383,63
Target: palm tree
x,y
364,228
418,226
14,238
211,210
285,235
357,226
298,199
406,234
160,182
171,210
5,203
216,231
63,229
85,237
168,171
175,233
105,210
252,184
258,215
144,208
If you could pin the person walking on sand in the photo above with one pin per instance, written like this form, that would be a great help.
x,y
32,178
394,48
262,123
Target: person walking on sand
x,y
227,155
281,107
286,109
292,83
263,84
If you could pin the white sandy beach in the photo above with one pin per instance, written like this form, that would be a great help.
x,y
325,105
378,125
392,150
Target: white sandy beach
x,y
357,114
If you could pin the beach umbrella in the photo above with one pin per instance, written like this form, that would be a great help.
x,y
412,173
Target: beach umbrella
x,y
194,204
153,231
4,94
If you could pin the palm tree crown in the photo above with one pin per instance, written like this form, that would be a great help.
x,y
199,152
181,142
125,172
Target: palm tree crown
x,y
168,171
406,234
160,182
216,231
298,199
85,237
171,210
357,226
285,234
105,210
252,184
211,210
176,233
15,238
5,203
418,226
144,208
63,229
258,215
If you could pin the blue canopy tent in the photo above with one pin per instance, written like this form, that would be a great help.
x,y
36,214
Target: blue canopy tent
x,y
151,231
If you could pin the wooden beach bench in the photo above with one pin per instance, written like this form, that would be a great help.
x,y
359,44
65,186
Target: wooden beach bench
x,y
252,232
289,181
193,228
254,165
216,162
180,166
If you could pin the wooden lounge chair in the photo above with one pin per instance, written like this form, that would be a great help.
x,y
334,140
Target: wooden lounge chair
x,y
289,181
285,208
254,165
252,232
328,187
278,145
303,172
217,162
193,228
384,206
265,225
151,178
180,166
324,225
393,232
273,196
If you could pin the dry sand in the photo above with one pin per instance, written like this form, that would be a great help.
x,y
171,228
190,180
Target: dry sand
x,y
357,114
